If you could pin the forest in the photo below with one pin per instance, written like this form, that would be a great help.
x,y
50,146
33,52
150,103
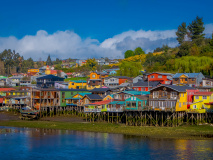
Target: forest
x,y
193,54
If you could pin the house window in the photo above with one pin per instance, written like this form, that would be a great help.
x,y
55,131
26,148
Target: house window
x,y
185,79
86,101
173,95
152,76
196,97
63,94
155,94
194,106
159,76
93,76
183,94
204,97
179,104
193,79
164,93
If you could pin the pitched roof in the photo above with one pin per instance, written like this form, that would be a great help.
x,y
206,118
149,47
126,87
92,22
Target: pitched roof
x,y
100,90
102,102
166,74
94,97
136,92
189,75
146,84
203,93
119,77
176,88
6,89
50,77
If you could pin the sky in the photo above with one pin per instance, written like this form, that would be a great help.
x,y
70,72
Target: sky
x,y
95,28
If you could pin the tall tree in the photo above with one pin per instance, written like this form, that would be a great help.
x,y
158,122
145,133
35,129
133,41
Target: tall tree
x,y
181,32
128,53
138,51
49,61
196,29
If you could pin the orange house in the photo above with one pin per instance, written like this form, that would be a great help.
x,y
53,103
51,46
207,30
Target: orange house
x,y
96,80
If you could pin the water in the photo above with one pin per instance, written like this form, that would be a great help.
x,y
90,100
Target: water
x,y
25,143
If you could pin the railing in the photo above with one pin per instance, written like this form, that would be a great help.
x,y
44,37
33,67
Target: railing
x,y
92,110
115,109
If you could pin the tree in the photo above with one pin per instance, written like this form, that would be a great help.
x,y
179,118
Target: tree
x,y
130,69
196,29
91,64
184,49
181,32
128,53
138,51
49,61
194,50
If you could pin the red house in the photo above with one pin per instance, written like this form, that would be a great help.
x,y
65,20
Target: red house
x,y
144,86
190,94
163,78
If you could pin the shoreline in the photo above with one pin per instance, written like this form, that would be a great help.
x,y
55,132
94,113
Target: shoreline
x,y
72,122
201,132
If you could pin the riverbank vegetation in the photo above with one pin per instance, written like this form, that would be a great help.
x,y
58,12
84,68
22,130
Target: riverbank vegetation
x,y
182,132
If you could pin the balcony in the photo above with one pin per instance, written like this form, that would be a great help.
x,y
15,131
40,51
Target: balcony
x,y
115,109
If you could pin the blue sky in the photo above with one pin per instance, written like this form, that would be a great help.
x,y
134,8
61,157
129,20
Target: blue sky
x,y
94,23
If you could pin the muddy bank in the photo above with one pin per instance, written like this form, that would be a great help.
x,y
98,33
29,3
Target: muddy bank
x,y
9,116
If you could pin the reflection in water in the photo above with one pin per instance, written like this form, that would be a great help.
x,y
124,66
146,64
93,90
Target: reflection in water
x,y
26,143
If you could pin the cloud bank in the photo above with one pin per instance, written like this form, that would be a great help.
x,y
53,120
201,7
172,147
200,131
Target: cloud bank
x,y
68,44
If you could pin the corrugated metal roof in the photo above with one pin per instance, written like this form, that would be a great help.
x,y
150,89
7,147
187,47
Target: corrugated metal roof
x,y
189,75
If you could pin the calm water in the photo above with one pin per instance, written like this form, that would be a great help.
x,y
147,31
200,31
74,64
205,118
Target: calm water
x,y
25,143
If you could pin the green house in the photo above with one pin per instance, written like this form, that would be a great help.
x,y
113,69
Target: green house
x,y
136,103
67,93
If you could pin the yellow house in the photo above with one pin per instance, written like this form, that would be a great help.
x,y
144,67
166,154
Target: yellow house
x,y
181,104
96,80
108,97
203,102
77,84
33,70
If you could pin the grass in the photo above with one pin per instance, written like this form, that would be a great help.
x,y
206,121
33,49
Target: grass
x,y
182,132
76,78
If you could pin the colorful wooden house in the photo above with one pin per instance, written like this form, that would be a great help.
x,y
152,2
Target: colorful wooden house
x,y
191,79
136,103
73,100
116,106
67,93
202,102
77,84
101,91
100,106
90,98
17,98
145,86
96,80
45,98
169,97
163,78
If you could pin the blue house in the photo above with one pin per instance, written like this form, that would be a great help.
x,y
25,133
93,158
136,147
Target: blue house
x,y
136,103
47,81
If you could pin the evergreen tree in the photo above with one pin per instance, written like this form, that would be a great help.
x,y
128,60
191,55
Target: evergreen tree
x,y
196,29
181,33
49,61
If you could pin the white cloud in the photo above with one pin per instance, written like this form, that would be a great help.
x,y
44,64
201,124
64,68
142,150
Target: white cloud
x,y
68,44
